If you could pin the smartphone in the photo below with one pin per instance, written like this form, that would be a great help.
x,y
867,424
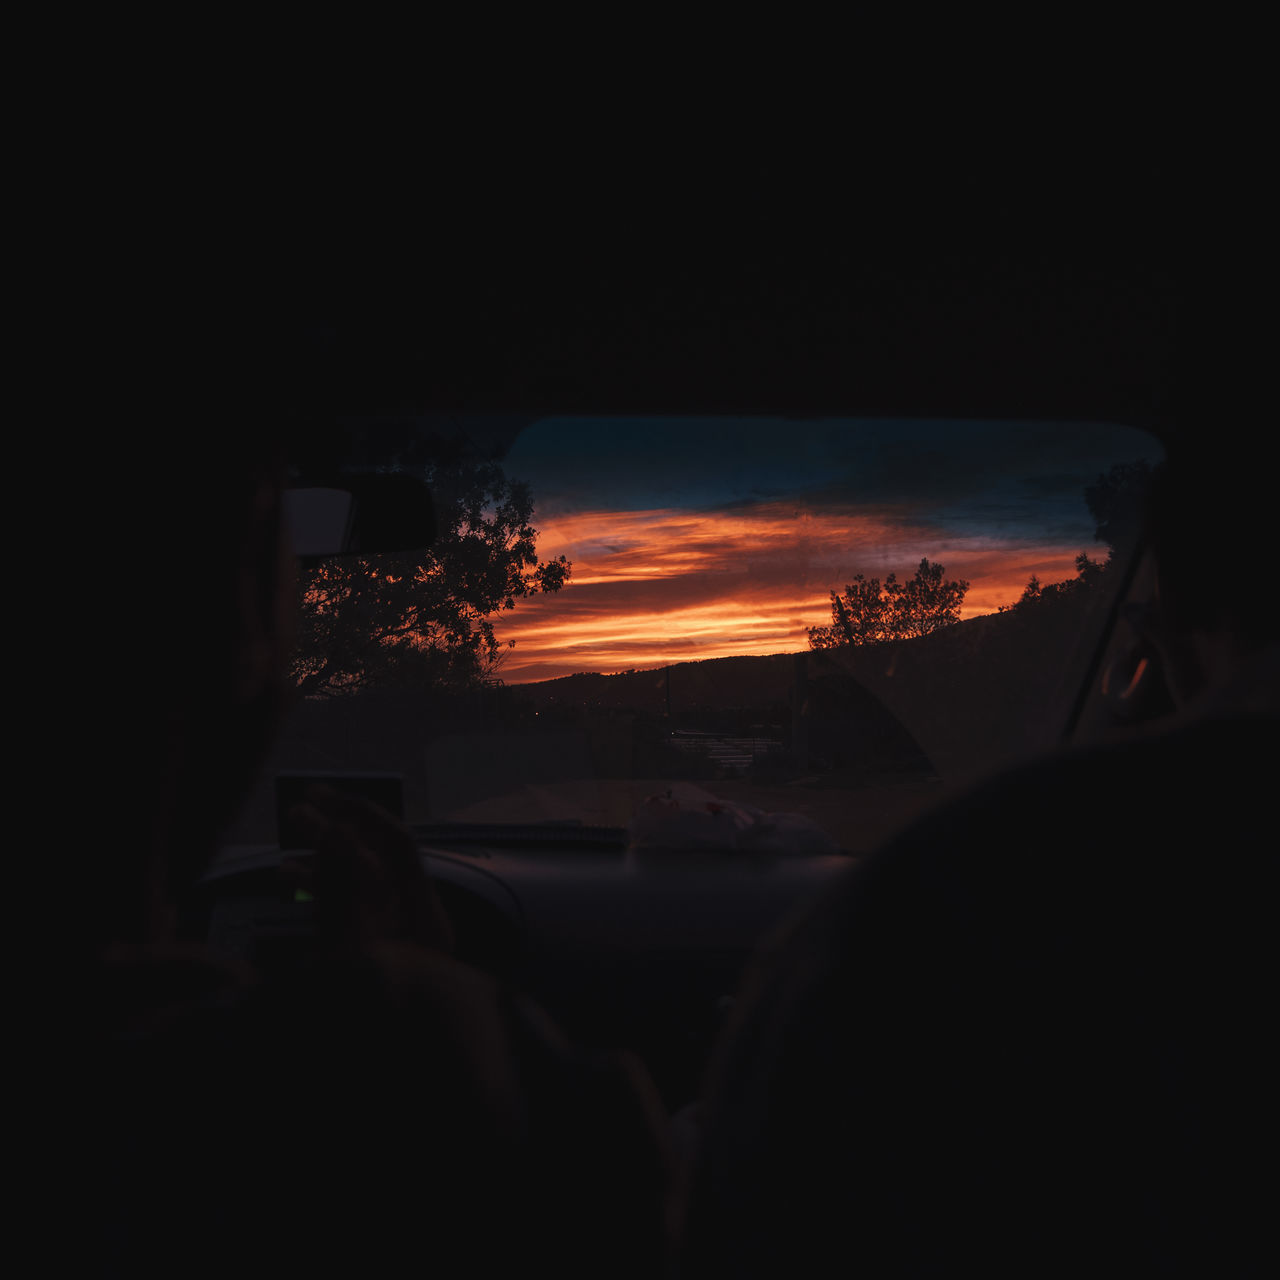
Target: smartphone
x,y
386,790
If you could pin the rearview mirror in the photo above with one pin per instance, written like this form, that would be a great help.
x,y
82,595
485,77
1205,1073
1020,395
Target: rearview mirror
x,y
319,520
359,515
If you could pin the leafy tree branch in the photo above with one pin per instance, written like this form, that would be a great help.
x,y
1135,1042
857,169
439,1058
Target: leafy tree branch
x,y
867,612
426,618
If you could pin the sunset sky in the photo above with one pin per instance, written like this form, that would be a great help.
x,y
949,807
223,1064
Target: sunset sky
x,y
702,538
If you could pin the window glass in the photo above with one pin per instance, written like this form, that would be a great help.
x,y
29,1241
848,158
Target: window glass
x,y
833,618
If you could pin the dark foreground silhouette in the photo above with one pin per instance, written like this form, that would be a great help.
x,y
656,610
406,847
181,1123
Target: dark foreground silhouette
x,y
1027,1037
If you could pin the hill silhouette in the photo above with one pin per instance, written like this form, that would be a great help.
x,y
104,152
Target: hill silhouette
x,y
958,702
946,707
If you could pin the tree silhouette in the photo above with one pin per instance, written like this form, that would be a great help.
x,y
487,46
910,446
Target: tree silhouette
x,y
1116,502
424,618
1038,597
868,613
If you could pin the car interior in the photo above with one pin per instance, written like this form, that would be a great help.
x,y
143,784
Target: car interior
x,y
691,458
641,946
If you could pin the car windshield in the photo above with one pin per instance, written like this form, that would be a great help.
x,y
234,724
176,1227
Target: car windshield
x,y
830,618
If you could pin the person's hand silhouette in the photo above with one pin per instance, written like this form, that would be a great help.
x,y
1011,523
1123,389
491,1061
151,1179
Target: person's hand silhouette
x,y
367,876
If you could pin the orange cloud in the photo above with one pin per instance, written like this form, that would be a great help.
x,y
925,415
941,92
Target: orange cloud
x,y
652,587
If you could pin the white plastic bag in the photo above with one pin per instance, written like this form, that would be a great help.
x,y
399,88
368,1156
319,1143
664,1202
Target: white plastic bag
x,y
689,818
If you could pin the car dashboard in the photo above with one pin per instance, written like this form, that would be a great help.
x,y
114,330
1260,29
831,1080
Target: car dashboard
x,y
635,949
